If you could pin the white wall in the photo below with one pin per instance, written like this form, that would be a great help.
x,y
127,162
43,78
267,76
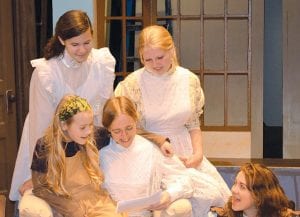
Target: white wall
x,y
61,6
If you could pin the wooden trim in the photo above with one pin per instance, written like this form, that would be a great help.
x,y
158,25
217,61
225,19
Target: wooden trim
x,y
100,22
2,205
225,128
269,162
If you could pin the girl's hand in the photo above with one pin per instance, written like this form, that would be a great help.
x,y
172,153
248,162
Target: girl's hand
x,y
192,162
26,186
167,149
165,201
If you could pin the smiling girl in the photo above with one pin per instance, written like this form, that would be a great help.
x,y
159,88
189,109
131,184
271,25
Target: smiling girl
x,y
70,65
256,192
65,167
134,167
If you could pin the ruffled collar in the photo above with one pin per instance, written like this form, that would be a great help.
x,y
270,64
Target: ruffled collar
x,y
163,75
68,61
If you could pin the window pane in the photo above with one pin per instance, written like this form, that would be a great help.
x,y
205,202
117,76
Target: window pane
x,y
237,44
190,44
237,100
167,7
214,44
237,6
133,7
213,6
133,29
191,7
214,100
114,8
114,35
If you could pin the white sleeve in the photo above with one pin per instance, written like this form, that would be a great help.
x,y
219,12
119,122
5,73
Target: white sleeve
x,y
211,214
41,110
175,180
105,66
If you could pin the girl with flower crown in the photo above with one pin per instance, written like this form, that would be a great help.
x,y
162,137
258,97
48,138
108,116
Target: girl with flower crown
x,y
65,167
70,65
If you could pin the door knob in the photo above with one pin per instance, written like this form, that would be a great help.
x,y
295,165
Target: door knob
x,y
10,98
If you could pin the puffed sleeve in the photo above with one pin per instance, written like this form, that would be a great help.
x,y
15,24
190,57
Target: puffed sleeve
x,y
39,160
130,88
197,102
42,101
105,65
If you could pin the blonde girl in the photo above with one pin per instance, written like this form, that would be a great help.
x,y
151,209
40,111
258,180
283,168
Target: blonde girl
x,y
65,171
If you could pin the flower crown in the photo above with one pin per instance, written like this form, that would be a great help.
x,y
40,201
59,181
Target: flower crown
x,y
72,107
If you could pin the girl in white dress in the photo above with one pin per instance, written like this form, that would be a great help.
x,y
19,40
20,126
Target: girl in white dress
x,y
169,99
70,66
133,167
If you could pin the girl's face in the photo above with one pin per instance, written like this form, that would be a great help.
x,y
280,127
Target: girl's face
x,y
156,60
123,130
242,199
80,128
79,47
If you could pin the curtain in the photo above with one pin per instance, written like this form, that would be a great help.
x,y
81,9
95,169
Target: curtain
x,y
32,26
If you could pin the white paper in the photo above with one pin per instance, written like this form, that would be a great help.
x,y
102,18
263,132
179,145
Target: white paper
x,y
137,204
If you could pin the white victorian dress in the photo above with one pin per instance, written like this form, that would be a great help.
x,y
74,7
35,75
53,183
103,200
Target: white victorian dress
x,y
50,81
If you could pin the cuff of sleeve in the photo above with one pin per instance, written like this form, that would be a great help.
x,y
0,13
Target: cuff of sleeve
x,y
174,194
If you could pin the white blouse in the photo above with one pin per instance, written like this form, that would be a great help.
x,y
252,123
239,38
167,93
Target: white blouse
x,y
142,170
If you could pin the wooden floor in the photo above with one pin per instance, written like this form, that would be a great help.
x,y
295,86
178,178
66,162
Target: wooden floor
x,y
270,162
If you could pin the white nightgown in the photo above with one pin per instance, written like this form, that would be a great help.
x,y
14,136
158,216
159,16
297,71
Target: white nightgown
x,y
170,105
51,80
140,170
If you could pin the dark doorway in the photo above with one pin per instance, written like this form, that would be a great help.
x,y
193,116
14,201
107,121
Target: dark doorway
x,y
273,92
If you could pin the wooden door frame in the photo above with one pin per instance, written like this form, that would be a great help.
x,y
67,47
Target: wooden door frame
x,y
8,121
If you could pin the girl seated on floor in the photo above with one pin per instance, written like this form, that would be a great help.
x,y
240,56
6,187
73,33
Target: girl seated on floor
x,y
65,167
133,167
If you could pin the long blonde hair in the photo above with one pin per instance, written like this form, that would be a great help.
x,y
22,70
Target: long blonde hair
x,y
157,37
55,139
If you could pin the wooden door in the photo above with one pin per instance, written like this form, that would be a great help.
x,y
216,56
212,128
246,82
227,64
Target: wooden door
x,y
8,138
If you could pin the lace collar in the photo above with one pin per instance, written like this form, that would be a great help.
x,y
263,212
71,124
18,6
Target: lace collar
x,y
69,62
163,75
